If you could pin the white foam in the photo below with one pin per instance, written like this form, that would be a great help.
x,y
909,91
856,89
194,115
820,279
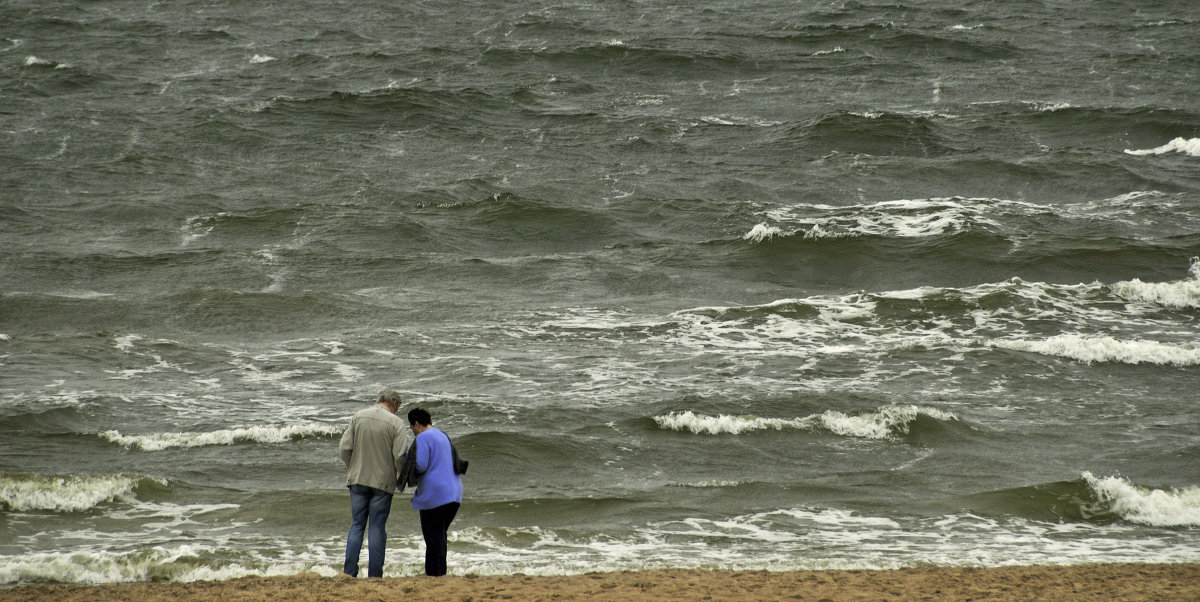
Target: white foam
x,y
33,61
1184,293
782,539
710,484
761,232
253,434
260,58
883,423
725,424
904,218
737,120
73,493
125,343
1189,146
98,566
1180,294
1154,507
1107,349
197,227
807,538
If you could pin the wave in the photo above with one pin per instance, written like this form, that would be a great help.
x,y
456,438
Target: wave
x,y
183,563
1189,146
411,108
1012,314
874,134
628,58
71,493
1175,294
907,218
34,61
960,318
1092,499
254,434
1127,220
1147,506
1067,126
1090,349
888,422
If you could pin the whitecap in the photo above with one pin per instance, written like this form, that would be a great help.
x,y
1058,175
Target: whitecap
x,y
903,218
73,493
1090,349
253,434
1189,146
33,61
763,231
1154,507
725,424
96,566
883,423
1177,294
125,342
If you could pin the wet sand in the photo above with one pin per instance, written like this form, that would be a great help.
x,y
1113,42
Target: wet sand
x,y
1080,582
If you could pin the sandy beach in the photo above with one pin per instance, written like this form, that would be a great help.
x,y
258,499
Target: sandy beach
x,y
1080,582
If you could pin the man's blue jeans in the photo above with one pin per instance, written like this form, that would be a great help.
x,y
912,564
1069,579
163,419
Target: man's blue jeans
x,y
369,509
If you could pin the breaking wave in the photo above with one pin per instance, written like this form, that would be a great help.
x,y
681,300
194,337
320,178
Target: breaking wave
x,y
885,423
912,218
1090,349
1189,146
1146,506
1175,294
254,434
71,493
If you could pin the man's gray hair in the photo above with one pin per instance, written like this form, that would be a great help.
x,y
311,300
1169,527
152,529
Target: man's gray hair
x,y
389,396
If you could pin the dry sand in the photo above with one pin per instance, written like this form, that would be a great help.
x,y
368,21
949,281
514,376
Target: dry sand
x,y
1174,582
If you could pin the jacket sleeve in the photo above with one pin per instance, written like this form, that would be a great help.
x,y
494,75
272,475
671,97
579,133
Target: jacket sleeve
x,y
460,465
399,448
422,446
408,471
346,447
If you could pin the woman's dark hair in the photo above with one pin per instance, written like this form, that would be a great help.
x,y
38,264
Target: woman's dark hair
x,y
419,416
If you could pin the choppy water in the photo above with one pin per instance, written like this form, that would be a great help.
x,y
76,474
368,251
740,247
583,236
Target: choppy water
x,y
742,284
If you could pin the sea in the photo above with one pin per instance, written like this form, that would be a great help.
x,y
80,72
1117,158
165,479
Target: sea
x,y
718,284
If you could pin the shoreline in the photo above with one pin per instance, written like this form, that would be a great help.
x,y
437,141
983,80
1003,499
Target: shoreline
x,y
1133,581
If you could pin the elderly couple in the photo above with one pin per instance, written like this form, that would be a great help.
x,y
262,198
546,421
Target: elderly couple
x,y
377,453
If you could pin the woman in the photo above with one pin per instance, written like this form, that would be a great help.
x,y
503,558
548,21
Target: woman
x,y
439,488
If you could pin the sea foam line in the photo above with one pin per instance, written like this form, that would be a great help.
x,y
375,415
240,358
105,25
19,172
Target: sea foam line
x,y
72,493
883,423
1154,507
254,434
1090,349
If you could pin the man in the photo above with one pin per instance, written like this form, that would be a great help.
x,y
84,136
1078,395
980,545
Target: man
x,y
372,448
439,488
